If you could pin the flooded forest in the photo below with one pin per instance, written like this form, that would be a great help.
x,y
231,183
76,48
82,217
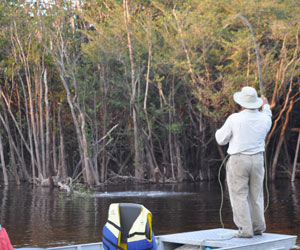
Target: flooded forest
x,y
122,91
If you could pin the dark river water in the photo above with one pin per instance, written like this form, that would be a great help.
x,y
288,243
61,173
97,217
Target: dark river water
x,y
35,216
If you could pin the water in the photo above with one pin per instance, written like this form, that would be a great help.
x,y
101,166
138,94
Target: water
x,y
44,217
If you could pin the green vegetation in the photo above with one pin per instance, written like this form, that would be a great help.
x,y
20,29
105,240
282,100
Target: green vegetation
x,y
109,90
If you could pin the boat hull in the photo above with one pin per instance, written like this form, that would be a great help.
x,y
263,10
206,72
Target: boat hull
x,y
219,238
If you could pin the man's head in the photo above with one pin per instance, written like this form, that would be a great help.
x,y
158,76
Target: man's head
x,y
247,98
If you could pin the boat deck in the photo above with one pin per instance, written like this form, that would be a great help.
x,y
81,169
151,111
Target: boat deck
x,y
221,239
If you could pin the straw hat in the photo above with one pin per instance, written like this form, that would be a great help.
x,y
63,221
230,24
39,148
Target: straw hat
x,y
247,98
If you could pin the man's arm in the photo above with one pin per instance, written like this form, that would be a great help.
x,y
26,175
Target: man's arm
x,y
267,112
224,134
266,107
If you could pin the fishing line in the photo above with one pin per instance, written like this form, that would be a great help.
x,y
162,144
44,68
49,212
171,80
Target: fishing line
x,y
222,192
266,182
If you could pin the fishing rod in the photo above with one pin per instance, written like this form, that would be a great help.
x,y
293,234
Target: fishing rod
x,y
255,46
257,53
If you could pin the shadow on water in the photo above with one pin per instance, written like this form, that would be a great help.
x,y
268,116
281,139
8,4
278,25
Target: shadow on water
x,y
44,217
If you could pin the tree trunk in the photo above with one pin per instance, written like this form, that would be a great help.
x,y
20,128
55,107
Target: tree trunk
x,y
54,154
12,158
296,157
90,171
104,118
47,118
6,125
171,143
180,172
149,144
278,147
95,136
40,121
138,147
29,131
62,169
4,171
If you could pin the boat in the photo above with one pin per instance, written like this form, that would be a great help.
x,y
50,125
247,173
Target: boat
x,y
219,238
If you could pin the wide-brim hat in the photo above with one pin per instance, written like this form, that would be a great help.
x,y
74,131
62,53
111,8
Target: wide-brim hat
x,y
248,98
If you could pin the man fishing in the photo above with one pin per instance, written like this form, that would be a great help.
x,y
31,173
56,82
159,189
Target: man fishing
x,y
245,132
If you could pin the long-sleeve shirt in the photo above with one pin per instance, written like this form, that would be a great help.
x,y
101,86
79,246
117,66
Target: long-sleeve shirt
x,y
246,131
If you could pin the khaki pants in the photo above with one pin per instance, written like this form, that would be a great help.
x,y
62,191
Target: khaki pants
x,y
245,176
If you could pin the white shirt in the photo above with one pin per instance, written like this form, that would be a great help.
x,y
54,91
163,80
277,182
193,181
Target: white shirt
x,y
246,131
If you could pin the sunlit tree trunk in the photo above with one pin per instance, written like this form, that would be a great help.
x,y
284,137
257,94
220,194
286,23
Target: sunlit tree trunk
x,y
66,69
32,112
54,149
62,168
47,124
138,147
14,149
279,144
40,121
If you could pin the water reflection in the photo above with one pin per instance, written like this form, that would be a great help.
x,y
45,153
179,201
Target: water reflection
x,y
44,217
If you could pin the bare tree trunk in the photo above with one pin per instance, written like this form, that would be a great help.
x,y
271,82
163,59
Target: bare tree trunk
x,y
20,157
28,147
76,112
185,49
170,132
54,154
19,54
138,147
149,149
278,147
41,128
19,147
13,163
47,109
32,111
96,134
180,172
66,58
11,150
62,169
103,171
29,131
4,171
13,147
202,168
296,156
91,174
103,160
34,130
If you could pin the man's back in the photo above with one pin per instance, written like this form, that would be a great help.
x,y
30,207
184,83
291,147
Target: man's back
x,y
246,131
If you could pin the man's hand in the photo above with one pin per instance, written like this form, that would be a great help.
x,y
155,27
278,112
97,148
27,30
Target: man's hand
x,y
265,100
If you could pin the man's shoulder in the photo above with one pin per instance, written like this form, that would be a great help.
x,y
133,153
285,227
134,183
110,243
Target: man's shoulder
x,y
233,116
